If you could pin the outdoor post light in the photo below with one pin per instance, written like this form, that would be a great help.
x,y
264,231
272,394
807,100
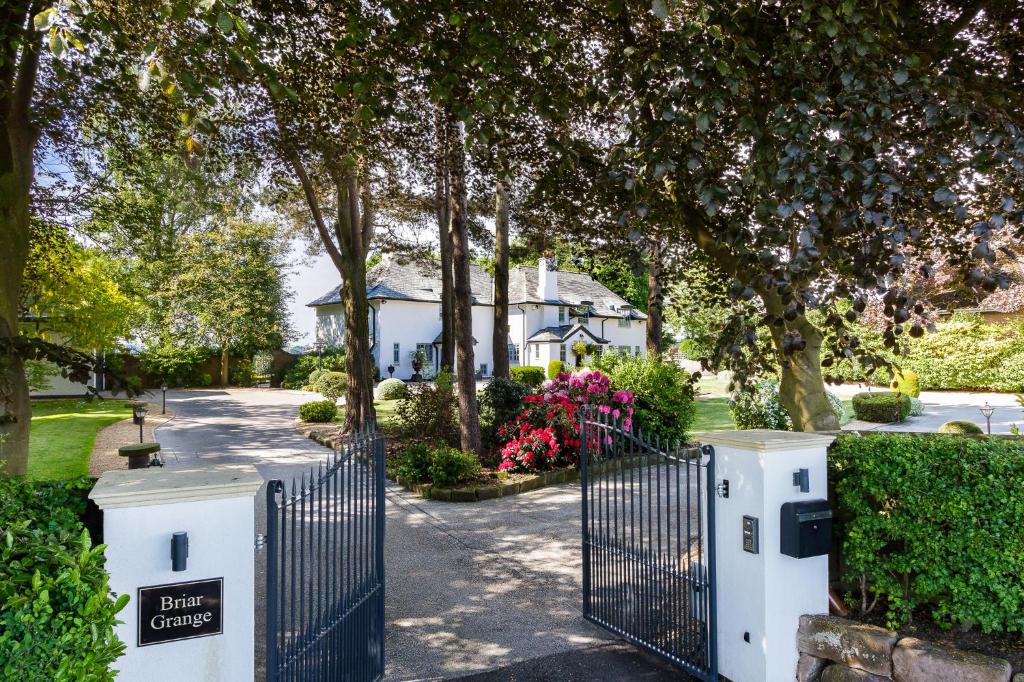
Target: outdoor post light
x,y
139,413
318,346
987,411
163,404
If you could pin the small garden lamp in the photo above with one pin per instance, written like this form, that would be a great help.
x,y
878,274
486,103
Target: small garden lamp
x,y
318,346
987,411
139,415
163,403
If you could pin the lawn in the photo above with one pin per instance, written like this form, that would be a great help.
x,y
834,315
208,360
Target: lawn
x,y
63,433
713,415
385,412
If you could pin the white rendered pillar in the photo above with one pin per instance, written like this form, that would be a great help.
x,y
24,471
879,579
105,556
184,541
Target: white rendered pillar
x,y
198,623
760,597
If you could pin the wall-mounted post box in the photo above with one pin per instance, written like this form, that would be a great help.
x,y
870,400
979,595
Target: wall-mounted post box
x,y
806,528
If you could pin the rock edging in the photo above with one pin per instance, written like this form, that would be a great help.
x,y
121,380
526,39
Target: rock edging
x,y
834,649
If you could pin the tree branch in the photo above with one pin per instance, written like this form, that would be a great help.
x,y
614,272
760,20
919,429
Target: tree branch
x,y
314,208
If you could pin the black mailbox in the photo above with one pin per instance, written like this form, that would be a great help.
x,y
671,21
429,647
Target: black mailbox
x,y
806,528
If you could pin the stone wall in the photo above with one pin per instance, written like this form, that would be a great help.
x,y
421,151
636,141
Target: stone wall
x,y
834,649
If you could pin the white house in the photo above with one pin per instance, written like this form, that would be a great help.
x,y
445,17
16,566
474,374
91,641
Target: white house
x,y
549,311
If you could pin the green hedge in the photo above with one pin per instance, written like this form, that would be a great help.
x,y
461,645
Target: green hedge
x,y
319,411
933,522
531,376
664,395
57,613
881,406
962,427
964,352
555,367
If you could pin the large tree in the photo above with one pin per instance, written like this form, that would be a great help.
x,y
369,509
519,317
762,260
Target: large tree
x,y
813,153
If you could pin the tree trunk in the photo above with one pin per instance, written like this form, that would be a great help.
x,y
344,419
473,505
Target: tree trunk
x,y
500,340
225,364
469,422
17,172
442,200
802,388
655,298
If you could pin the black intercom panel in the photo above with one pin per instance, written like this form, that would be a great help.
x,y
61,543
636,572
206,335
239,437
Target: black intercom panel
x,y
806,528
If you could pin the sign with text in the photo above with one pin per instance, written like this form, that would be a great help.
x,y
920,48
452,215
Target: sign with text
x,y
168,613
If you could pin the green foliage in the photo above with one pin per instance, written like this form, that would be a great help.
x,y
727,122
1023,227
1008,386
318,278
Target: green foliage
x,y
332,385
38,374
314,376
318,411
177,366
531,376
414,463
881,406
241,373
449,466
555,367
961,427
299,373
934,521
916,407
430,411
57,614
906,382
500,401
391,389
759,407
664,395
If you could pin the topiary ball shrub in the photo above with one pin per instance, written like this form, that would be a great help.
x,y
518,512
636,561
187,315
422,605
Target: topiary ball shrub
x,y
314,376
449,466
318,411
881,407
555,367
906,382
531,376
332,385
961,427
391,389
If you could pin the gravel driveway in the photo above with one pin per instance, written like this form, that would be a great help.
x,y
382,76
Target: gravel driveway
x,y
469,587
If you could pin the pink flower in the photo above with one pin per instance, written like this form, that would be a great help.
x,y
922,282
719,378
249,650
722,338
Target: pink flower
x,y
607,440
604,409
627,423
616,413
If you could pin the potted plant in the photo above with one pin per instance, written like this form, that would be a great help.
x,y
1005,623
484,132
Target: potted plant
x,y
419,358
579,349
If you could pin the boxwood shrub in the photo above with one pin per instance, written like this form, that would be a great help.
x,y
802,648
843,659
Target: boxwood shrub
x,y
664,395
391,389
531,376
881,406
57,613
555,367
319,411
449,466
933,522
905,381
962,427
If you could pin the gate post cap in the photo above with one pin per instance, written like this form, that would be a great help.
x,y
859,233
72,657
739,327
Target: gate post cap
x,y
766,440
167,485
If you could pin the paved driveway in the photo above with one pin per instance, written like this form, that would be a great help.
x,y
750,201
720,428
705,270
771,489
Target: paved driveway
x,y
943,406
469,587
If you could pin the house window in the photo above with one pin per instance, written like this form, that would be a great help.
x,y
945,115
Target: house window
x,y
561,352
513,352
561,314
597,353
623,350
624,322
483,369
637,350
427,349
396,356
536,351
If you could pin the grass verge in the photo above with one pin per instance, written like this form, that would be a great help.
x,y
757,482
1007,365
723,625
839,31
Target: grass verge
x,y
63,433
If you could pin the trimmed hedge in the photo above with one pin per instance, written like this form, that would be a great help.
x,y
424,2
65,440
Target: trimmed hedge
x,y
531,376
318,411
962,427
57,613
881,406
392,389
933,521
555,367
332,385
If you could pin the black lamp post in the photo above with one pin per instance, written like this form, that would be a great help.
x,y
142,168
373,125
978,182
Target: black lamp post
x,y
139,416
163,402
987,411
318,346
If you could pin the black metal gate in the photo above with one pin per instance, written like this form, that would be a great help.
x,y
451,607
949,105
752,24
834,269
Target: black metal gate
x,y
648,568
325,569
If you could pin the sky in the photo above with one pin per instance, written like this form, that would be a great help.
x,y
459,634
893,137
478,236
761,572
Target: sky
x,y
310,278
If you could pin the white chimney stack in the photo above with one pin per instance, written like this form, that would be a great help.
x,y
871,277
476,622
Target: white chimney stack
x,y
547,280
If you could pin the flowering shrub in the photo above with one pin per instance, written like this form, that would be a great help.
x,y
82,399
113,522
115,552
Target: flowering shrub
x,y
546,433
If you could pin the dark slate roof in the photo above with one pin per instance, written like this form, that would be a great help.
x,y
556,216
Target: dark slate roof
x,y
401,280
573,287
439,339
558,334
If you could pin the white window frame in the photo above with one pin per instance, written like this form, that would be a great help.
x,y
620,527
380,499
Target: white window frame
x,y
561,314
428,351
624,322
513,352
624,350
396,354
562,352
536,351
637,350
